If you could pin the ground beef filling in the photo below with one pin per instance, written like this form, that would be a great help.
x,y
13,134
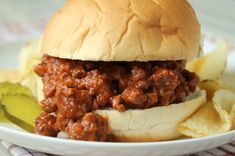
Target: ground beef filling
x,y
73,90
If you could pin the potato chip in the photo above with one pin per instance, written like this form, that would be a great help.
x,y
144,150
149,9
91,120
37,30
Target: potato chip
x,y
211,87
9,75
224,100
214,117
31,81
30,56
206,121
212,65
232,115
228,84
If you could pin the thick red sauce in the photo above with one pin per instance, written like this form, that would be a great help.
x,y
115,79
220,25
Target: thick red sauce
x,y
73,90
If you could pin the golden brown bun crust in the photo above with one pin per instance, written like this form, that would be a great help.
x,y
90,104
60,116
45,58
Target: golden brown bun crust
x,y
154,124
123,30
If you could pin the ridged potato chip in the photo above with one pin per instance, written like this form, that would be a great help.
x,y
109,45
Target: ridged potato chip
x,y
31,82
216,116
210,87
224,101
228,85
30,56
212,65
204,122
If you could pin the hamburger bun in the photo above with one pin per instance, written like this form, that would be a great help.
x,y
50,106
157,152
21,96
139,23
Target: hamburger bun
x,y
153,124
129,30
123,30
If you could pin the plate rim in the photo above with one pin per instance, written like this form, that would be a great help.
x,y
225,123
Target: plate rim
x,y
112,144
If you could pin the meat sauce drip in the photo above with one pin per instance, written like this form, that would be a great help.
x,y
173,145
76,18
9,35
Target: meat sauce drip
x,y
74,89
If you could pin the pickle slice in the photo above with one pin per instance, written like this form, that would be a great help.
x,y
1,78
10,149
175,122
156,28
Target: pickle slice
x,y
18,105
22,107
15,88
9,118
1,113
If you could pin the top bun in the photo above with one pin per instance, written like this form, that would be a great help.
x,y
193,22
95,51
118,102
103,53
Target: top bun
x,y
123,30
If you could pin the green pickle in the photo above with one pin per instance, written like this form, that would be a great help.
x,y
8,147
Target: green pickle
x,y
1,113
13,88
17,121
18,105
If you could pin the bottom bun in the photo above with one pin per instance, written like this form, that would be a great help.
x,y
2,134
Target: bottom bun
x,y
154,124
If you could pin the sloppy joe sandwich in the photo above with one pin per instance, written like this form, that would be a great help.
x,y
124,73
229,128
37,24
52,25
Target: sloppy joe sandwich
x,y
115,70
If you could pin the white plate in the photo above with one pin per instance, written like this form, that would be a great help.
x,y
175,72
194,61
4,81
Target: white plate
x,y
14,135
